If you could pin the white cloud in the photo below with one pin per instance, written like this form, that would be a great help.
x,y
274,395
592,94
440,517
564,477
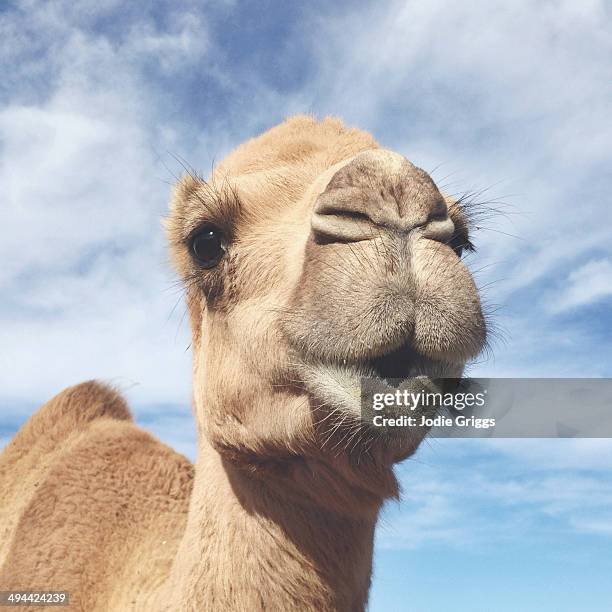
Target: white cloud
x,y
593,454
425,516
587,284
89,293
66,173
458,493
186,41
597,526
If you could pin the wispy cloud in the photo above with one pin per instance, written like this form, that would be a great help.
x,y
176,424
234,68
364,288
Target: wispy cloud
x,y
458,498
587,284
598,526
593,454
89,292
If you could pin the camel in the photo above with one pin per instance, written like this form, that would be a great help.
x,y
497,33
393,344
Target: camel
x,y
310,258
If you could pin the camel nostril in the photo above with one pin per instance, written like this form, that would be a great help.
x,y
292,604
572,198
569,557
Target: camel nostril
x,y
341,225
349,214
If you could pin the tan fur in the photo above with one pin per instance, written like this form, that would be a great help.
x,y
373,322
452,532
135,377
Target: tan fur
x,y
337,256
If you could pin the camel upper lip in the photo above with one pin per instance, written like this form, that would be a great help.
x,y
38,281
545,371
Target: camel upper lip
x,y
404,362
397,364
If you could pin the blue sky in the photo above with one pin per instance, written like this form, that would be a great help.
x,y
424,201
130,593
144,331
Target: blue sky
x,y
511,97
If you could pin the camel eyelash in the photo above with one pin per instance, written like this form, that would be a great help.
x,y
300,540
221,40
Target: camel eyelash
x,y
460,243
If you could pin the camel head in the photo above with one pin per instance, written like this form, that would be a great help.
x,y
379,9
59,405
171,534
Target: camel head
x,y
312,257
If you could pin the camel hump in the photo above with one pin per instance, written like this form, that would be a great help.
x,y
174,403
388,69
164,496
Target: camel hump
x,y
67,414
45,436
71,411
77,406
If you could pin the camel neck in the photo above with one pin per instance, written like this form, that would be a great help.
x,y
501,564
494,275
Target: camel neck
x,y
248,546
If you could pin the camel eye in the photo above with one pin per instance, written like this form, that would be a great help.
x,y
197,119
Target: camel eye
x,y
207,246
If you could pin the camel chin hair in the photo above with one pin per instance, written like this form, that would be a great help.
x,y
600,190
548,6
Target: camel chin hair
x,y
311,257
